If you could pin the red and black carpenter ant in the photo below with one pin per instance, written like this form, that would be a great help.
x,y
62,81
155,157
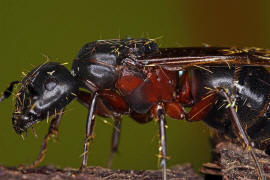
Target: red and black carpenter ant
x,y
227,88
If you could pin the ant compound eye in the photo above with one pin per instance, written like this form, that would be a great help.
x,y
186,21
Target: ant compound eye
x,y
50,84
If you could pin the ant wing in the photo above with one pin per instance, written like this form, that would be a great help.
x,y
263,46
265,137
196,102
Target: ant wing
x,y
182,58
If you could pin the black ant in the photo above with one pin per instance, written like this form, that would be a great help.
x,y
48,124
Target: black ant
x,y
227,88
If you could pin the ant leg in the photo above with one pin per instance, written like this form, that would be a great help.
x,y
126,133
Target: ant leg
x,y
199,111
184,94
162,135
102,110
8,91
89,131
241,133
53,131
115,140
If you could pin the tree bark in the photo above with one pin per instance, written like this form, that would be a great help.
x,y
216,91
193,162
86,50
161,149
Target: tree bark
x,y
183,172
231,161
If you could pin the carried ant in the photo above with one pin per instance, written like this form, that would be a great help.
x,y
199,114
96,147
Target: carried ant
x,y
227,88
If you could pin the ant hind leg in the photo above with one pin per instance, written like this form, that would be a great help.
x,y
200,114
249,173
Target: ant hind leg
x,y
241,133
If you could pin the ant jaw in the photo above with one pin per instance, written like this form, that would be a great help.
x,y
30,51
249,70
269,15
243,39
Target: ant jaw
x,y
22,123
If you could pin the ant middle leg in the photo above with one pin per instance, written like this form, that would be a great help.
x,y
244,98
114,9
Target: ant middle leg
x,y
160,114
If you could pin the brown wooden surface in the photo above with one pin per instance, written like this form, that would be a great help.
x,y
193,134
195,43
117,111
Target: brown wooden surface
x,y
233,162
50,172
230,161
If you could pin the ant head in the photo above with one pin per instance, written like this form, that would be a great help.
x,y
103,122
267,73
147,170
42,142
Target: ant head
x,y
43,92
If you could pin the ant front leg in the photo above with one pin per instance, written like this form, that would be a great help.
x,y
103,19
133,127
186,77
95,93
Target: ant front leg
x,y
160,114
53,131
9,90
89,130
102,110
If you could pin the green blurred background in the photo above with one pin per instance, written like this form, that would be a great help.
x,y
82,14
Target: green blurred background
x,y
30,29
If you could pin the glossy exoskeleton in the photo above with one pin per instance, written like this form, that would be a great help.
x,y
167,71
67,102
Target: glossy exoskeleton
x,y
227,88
